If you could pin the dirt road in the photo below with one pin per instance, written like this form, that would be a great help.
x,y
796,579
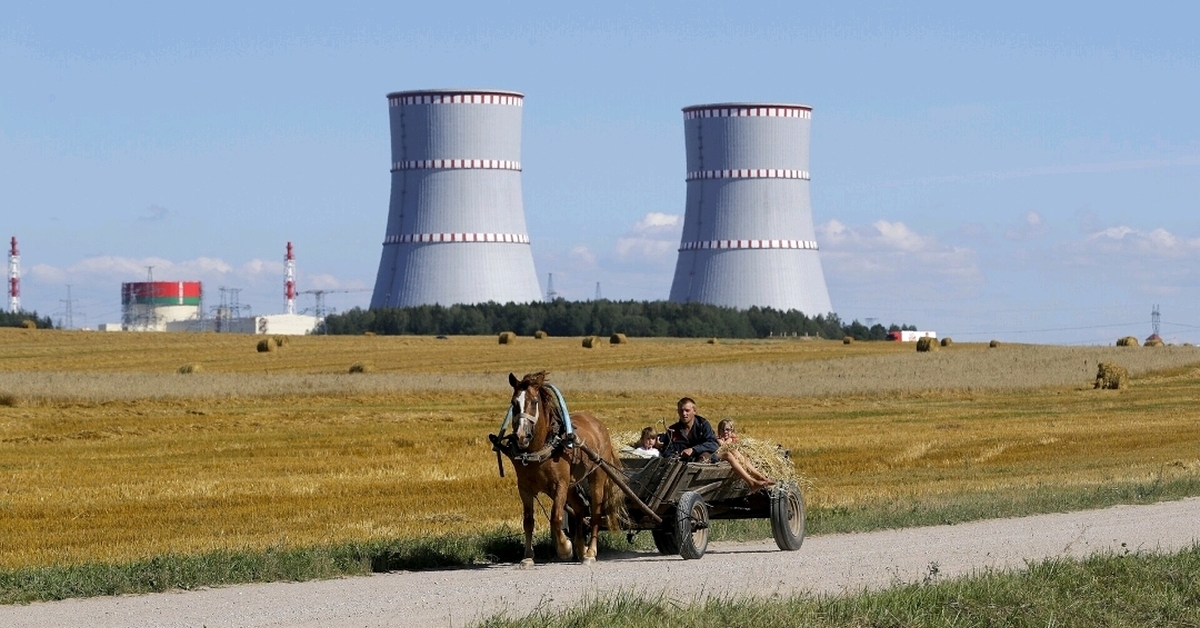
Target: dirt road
x,y
826,564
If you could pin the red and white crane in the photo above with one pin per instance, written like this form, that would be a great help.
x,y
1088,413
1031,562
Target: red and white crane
x,y
14,278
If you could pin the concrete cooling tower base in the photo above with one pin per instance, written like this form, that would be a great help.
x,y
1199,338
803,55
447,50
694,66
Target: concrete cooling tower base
x,y
421,274
745,278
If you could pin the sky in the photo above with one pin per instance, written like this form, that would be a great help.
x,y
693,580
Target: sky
x,y
1028,172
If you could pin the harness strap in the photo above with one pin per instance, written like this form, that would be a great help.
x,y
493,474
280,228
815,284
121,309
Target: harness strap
x,y
562,404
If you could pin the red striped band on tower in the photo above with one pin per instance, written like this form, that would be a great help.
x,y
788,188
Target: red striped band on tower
x,y
397,100
809,245
734,111
433,238
748,173
457,164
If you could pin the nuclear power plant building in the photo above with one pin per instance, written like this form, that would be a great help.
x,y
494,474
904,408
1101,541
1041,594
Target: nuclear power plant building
x,y
748,237
456,223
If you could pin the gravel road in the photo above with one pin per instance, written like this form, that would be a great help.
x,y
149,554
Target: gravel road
x,y
826,564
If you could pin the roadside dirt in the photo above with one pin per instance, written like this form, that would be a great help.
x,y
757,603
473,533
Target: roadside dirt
x,y
826,564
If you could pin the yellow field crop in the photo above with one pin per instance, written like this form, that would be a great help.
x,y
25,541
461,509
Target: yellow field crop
x,y
106,453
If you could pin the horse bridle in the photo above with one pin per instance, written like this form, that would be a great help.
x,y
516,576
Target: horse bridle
x,y
559,439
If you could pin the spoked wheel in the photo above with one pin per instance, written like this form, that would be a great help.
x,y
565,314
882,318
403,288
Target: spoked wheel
x,y
787,517
691,525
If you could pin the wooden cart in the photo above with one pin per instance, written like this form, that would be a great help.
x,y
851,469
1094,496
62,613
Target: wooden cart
x,y
676,500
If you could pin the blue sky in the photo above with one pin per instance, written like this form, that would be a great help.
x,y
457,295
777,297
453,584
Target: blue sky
x,y
1028,172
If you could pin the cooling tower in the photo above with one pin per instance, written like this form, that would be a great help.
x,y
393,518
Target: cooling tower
x,y
456,224
747,230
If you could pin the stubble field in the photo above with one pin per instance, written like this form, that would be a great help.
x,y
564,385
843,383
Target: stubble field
x,y
108,455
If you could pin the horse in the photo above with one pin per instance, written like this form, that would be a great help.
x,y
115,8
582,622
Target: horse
x,y
549,459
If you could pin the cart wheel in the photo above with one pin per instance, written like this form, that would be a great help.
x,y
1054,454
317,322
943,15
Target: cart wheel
x,y
665,541
691,525
787,517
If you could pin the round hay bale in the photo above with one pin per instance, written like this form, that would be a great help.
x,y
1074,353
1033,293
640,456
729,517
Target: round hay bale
x,y
993,344
362,367
1111,377
188,369
10,400
618,339
29,324
927,344
507,337
1154,341
539,334
368,333
848,340
280,341
946,342
265,345
713,341
591,342
1128,341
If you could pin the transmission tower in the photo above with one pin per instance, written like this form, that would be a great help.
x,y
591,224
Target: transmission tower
x,y
550,293
69,316
598,297
1155,320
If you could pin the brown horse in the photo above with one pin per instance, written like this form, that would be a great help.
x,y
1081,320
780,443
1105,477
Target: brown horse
x,y
548,460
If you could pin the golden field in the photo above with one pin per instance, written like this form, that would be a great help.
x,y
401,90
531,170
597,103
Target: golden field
x,y
107,453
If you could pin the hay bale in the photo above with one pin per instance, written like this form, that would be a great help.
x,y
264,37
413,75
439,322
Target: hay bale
x,y
29,324
1154,341
946,342
618,339
362,367
713,341
507,338
848,340
770,458
591,342
1111,377
368,333
1128,341
927,344
539,334
280,341
9,400
188,369
993,344
265,345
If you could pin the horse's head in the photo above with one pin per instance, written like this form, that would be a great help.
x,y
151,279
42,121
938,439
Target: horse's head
x,y
528,408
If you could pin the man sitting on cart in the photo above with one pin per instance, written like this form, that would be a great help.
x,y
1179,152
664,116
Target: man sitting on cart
x,y
691,437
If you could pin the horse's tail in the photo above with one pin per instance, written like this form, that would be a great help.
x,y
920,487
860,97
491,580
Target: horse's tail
x,y
614,498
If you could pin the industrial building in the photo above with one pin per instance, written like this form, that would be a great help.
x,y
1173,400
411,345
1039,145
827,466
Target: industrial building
x,y
161,305
748,237
179,306
456,221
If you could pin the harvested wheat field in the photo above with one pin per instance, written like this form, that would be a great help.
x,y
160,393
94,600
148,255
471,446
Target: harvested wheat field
x,y
108,453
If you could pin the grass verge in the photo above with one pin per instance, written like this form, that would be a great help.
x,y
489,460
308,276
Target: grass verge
x,y
504,544
1139,589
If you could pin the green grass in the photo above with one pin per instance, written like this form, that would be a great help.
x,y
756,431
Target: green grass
x,y
504,545
1142,589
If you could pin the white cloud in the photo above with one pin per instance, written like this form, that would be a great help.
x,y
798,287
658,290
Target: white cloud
x,y
582,256
1032,227
888,252
659,222
1130,242
654,238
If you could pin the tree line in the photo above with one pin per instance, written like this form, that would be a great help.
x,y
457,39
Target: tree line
x,y
601,318
17,319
